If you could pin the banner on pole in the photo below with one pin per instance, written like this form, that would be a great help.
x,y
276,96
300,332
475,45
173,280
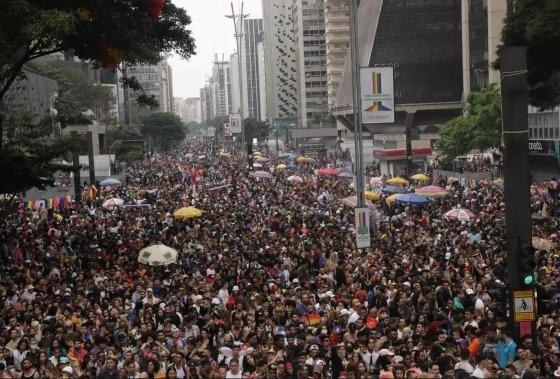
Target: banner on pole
x,y
378,95
362,228
234,123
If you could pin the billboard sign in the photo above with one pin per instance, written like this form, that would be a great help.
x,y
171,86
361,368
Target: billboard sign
x,y
362,228
378,95
234,123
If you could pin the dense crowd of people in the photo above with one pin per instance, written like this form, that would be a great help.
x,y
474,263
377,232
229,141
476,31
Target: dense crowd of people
x,y
268,282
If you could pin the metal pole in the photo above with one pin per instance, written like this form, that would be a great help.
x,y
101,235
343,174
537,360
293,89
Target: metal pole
x,y
76,167
516,164
238,36
91,159
357,102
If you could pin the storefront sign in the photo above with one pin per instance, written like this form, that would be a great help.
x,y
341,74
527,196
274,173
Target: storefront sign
x,y
541,147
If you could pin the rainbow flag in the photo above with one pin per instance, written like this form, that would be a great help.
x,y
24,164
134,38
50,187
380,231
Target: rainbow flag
x,y
312,319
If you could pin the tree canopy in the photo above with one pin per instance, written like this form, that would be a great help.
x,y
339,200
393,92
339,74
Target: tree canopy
x,y
104,32
536,24
126,142
165,129
256,129
479,129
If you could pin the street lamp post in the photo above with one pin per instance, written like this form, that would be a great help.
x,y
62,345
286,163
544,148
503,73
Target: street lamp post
x,y
357,101
238,36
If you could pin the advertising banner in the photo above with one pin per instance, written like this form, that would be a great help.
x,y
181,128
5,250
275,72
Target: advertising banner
x,y
234,124
362,228
378,95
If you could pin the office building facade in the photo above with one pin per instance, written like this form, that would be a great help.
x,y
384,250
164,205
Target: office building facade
x,y
221,89
252,35
280,59
337,41
311,63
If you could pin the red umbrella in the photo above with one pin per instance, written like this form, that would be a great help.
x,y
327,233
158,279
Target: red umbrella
x,y
328,171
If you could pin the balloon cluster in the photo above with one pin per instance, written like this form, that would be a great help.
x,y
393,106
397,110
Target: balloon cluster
x,y
155,9
91,44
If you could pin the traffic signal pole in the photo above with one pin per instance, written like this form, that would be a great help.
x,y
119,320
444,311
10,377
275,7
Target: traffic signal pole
x,y
514,90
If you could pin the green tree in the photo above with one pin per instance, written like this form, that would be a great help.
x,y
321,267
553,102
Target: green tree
x,y
193,126
479,129
536,24
164,129
256,129
126,142
26,161
104,32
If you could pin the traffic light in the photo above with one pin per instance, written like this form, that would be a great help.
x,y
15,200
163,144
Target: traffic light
x,y
528,265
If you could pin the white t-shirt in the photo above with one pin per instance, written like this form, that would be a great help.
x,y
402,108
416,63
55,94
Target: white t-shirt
x,y
230,375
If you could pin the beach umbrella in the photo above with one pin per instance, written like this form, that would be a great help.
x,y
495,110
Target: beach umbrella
x,y
295,178
187,212
393,189
286,156
110,182
420,177
460,214
157,255
328,171
345,175
412,199
431,191
376,180
304,160
114,202
262,175
373,196
397,181
281,167
352,201
391,199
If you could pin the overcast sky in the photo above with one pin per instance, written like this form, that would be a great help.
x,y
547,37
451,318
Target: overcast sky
x,y
213,34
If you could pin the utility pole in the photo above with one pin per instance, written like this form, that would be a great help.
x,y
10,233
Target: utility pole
x,y
238,38
91,159
357,101
76,167
513,66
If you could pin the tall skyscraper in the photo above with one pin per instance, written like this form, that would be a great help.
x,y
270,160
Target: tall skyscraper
x,y
280,59
234,80
191,110
221,88
206,101
156,81
262,80
337,41
482,23
309,33
252,35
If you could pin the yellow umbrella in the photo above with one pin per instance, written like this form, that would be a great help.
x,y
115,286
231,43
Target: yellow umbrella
x,y
187,212
303,159
370,195
398,181
280,167
420,177
391,199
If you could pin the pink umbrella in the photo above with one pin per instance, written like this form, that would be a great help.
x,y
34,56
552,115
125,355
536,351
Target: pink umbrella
x,y
409,223
328,171
460,214
431,191
376,180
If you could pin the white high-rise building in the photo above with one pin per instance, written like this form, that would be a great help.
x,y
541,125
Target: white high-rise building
x,y
252,35
221,88
309,33
262,80
280,59
156,81
191,110
337,41
234,80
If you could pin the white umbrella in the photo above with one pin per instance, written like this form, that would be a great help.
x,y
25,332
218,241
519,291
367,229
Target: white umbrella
x,y
263,175
157,255
295,178
114,202
460,214
257,165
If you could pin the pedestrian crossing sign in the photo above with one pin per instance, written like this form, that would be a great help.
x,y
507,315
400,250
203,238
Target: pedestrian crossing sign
x,y
524,305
